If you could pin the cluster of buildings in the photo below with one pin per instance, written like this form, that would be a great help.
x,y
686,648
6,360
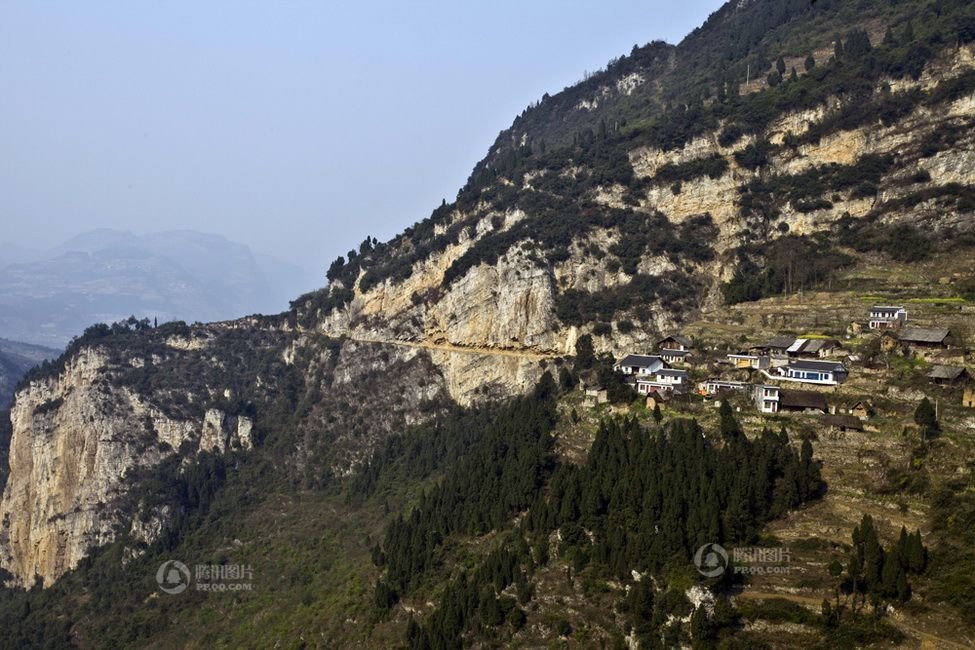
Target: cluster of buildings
x,y
786,363
653,373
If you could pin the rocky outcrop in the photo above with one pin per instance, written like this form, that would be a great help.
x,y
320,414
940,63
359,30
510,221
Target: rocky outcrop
x,y
79,436
74,440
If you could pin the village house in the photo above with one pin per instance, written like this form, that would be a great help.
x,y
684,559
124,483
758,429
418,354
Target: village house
x,y
655,399
766,398
662,380
813,348
675,342
674,356
639,364
802,401
861,409
843,423
674,349
824,373
777,346
772,399
756,361
886,317
716,386
948,375
595,396
923,340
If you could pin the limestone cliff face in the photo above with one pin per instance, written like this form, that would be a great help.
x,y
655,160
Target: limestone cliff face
x,y
509,305
80,434
74,440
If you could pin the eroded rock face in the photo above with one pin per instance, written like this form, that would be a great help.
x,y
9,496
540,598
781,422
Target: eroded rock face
x,y
74,440
510,304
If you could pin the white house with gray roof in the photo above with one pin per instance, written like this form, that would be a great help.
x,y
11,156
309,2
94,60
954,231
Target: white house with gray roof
x,y
886,316
664,379
823,373
639,364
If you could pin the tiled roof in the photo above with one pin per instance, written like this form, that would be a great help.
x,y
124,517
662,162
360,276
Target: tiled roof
x,y
639,360
843,421
822,366
802,399
946,372
923,334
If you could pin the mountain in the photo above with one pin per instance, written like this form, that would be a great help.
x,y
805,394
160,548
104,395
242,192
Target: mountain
x,y
412,454
108,275
15,360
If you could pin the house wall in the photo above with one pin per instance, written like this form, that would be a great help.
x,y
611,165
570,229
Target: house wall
x,y
968,398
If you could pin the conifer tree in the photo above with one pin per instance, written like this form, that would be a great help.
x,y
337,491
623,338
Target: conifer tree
x,y
926,418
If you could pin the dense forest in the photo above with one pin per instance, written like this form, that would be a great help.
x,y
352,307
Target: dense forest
x,y
644,501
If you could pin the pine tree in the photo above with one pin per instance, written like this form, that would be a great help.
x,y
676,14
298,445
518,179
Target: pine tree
x,y
837,47
889,39
926,418
917,556
657,415
829,616
780,66
730,429
810,63
891,574
701,632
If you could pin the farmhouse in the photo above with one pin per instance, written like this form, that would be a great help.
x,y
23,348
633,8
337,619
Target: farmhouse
x,y
886,316
675,342
861,409
772,399
948,375
639,364
757,361
843,423
924,339
674,356
813,347
802,401
715,386
766,398
778,345
664,379
825,373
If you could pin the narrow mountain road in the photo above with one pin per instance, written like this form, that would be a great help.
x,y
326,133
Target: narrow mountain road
x,y
462,349
927,639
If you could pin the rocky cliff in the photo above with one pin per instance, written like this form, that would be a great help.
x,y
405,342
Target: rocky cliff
x,y
611,235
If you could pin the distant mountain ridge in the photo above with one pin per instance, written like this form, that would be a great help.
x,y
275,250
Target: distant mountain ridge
x,y
47,297
15,360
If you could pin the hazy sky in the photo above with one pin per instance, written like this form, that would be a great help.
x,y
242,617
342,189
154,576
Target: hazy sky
x,y
295,127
